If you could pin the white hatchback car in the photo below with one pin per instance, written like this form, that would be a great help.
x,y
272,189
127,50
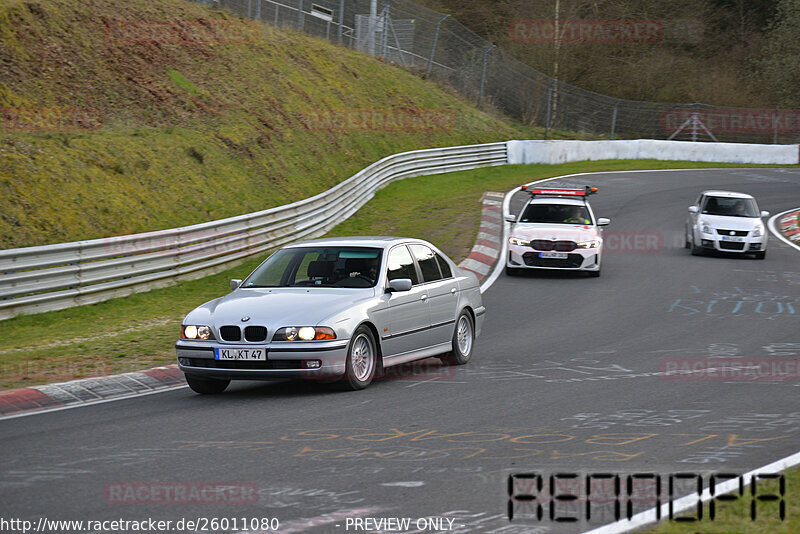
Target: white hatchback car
x,y
725,221
556,229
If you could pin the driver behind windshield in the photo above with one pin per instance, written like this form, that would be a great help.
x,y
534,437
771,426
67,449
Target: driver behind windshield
x,y
576,216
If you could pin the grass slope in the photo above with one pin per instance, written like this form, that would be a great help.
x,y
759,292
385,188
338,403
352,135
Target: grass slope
x,y
184,129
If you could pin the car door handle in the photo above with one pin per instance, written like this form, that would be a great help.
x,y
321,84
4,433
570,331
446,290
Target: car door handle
x,y
453,291
423,297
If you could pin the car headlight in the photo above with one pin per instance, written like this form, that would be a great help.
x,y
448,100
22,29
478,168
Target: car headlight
x,y
191,331
589,244
757,232
706,229
518,242
304,333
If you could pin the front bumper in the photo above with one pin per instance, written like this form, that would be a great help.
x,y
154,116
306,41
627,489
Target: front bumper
x,y
520,257
283,360
746,245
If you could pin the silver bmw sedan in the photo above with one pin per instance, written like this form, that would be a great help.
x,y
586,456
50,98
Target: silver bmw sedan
x,y
334,309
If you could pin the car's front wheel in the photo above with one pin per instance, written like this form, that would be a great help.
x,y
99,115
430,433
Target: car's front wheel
x,y
463,341
696,251
761,255
206,386
362,358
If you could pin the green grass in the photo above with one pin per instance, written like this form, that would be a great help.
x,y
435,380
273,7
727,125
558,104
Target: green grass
x,y
139,331
734,517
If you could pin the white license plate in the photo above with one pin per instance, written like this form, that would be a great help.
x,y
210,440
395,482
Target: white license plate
x,y
554,255
240,354
732,238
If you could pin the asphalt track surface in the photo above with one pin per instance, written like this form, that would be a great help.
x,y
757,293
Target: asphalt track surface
x,y
566,378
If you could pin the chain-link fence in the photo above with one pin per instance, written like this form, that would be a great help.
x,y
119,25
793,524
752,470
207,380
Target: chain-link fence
x,y
437,46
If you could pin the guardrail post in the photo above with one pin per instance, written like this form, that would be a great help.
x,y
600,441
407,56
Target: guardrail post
x,y
258,10
614,119
433,47
483,72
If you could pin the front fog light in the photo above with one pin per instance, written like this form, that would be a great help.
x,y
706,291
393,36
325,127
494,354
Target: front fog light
x,y
312,364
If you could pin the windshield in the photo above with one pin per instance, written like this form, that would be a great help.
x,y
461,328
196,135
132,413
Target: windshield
x,y
318,267
556,214
730,207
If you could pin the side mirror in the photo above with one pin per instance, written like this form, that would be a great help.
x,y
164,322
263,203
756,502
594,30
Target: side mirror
x,y
693,209
603,221
510,218
235,283
400,284
765,214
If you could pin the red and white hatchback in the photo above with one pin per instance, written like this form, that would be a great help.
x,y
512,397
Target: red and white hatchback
x,y
556,229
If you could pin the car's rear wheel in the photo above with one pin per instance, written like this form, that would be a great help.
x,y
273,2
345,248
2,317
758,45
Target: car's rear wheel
x,y
362,359
207,386
463,341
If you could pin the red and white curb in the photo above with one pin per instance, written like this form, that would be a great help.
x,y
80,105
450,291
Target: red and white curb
x,y
23,401
789,226
487,247
786,227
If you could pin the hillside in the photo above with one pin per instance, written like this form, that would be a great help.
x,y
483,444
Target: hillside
x,y
121,116
722,52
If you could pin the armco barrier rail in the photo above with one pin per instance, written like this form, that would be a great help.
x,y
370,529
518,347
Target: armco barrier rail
x,y
53,277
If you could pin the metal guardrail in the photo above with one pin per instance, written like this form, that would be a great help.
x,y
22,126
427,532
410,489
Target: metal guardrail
x,y
54,277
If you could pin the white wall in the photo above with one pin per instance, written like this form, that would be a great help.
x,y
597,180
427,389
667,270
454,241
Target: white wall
x,y
565,151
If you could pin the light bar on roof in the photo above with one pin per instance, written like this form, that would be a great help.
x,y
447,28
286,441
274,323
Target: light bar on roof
x,y
586,191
